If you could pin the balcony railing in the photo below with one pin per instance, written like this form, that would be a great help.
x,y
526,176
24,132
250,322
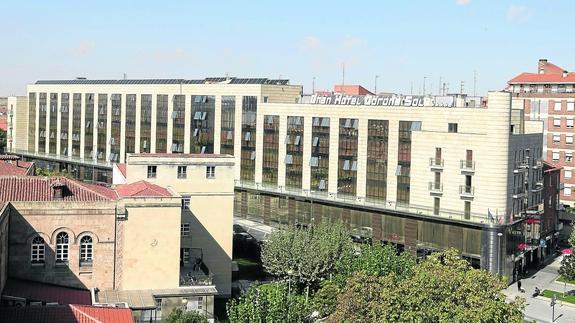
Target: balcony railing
x,y
436,163
521,166
435,188
466,190
467,165
518,192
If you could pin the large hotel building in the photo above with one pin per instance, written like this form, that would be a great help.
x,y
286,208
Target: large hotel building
x,y
549,96
422,173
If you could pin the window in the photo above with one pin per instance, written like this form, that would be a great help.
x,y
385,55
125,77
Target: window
x,y
569,139
570,106
185,255
556,138
38,251
185,203
567,191
452,127
210,171
467,210
568,174
62,247
185,229
152,171
557,106
182,171
569,157
557,122
569,123
86,251
555,155
436,205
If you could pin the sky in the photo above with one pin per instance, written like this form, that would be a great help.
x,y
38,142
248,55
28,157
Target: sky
x,y
403,42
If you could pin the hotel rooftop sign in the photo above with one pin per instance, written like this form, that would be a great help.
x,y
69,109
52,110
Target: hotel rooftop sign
x,y
383,100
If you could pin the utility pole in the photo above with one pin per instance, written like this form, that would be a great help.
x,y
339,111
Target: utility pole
x,y
411,92
439,87
375,85
313,85
474,82
553,301
461,87
424,78
343,73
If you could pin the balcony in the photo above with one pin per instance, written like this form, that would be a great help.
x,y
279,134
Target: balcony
x,y
521,166
518,192
195,274
436,163
435,188
537,164
466,191
467,166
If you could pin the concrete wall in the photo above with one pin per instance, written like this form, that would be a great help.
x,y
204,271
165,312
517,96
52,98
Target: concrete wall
x,y
4,220
17,108
151,244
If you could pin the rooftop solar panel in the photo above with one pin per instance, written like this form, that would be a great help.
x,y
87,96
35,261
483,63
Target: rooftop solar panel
x,y
232,80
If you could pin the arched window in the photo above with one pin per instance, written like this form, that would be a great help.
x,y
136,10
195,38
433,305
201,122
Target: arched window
x,y
62,247
37,252
86,251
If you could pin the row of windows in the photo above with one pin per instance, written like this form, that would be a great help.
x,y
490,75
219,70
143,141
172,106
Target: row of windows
x,y
38,250
568,122
152,171
567,157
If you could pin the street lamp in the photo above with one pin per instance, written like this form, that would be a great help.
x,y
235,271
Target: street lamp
x,y
499,235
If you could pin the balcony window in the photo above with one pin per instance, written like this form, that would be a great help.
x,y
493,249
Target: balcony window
x,y
568,157
557,122
555,155
556,138
185,229
182,171
152,171
210,171
86,251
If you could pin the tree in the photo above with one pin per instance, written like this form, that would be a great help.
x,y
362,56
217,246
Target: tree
x,y
3,142
272,302
567,269
442,288
307,255
47,172
178,315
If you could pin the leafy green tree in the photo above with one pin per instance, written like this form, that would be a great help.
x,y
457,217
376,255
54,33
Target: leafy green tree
x,y
47,172
443,288
3,142
306,255
178,315
567,269
273,302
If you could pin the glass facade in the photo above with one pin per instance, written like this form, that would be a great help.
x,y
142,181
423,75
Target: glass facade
x,y
42,105
319,162
76,123
89,127
270,150
377,140
145,123
115,139
202,124
228,125
347,161
248,152
162,123
404,162
294,152
32,122
64,122
102,126
53,139
178,115
130,123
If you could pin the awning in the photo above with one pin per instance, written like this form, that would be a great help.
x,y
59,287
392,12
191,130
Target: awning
x,y
145,298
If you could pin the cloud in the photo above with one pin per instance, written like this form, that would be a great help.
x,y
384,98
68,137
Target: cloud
x,y
352,42
84,48
177,54
518,14
311,43
462,2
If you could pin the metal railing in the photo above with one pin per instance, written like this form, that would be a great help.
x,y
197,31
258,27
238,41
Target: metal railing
x,y
466,190
376,203
467,165
436,162
435,187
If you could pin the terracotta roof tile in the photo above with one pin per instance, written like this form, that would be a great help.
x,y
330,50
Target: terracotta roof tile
x,y
122,168
93,314
543,78
42,292
141,189
14,168
34,188
66,314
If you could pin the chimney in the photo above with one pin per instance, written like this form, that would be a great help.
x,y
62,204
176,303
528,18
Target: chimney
x,y
58,189
541,65
565,73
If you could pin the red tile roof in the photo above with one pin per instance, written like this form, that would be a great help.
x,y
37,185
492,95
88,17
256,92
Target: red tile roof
x,y
141,189
14,168
66,314
351,89
551,74
122,169
42,292
40,189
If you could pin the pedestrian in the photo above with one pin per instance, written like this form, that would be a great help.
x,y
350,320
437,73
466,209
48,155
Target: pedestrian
x,y
519,285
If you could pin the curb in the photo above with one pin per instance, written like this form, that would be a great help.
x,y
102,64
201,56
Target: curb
x,y
562,303
563,283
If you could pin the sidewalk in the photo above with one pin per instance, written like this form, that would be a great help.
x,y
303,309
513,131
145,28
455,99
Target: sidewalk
x,y
539,309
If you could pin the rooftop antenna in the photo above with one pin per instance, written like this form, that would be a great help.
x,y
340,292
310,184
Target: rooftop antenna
x,y
375,85
462,85
439,87
411,92
343,73
313,85
474,82
424,78
125,76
